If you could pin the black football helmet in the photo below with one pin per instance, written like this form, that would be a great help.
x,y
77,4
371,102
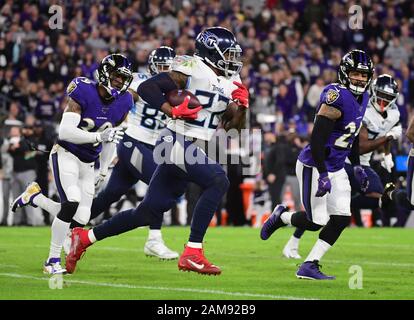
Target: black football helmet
x,y
384,92
218,47
115,74
160,60
355,60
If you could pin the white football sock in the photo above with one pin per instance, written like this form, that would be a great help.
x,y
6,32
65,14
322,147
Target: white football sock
x,y
318,250
293,242
59,230
91,236
47,204
154,234
287,217
195,245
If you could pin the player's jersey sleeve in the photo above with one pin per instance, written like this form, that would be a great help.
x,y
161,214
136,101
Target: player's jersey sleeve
x,y
137,79
332,96
394,114
367,121
78,90
185,64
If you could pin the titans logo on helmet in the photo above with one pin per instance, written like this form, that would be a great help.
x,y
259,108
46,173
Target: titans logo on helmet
x,y
209,39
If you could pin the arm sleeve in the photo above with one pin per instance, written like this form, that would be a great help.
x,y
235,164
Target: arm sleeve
x,y
107,155
69,131
320,135
153,89
354,155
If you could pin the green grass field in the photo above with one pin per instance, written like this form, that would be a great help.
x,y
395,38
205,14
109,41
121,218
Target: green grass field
x,y
117,268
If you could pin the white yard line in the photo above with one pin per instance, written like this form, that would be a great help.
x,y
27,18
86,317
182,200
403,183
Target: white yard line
x,y
373,263
155,288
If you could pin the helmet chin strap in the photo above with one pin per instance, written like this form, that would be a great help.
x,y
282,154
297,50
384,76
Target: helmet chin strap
x,y
356,89
112,91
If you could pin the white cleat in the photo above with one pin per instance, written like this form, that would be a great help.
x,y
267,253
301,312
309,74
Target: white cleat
x,y
52,266
157,248
291,252
67,242
26,198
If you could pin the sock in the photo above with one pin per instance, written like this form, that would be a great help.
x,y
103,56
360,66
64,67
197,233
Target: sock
x,y
59,231
45,203
293,242
318,250
154,234
298,233
195,245
91,236
287,217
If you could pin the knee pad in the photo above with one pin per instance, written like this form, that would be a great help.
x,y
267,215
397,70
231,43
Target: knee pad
x,y
68,211
82,215
73,194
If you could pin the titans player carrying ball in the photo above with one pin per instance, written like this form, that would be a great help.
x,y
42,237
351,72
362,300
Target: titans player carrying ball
x,y
212,75
324,184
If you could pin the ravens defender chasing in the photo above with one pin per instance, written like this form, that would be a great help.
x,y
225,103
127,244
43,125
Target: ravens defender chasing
x,y
324,184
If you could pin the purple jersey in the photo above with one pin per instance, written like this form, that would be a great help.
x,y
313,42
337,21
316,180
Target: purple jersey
x,y
346,127
96,115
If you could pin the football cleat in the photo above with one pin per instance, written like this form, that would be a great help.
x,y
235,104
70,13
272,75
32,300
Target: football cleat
x,y
26,198
273,223
52,266
80,242
67,242
291,252
311,270
157,248
193,259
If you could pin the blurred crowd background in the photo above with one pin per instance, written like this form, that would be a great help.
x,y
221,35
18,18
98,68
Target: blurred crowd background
x,y
291,50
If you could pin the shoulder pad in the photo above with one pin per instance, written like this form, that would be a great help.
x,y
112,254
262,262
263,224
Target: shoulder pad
x,y
77,82
184,64
332,94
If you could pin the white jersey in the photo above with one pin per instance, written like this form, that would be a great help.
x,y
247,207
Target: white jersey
x,y
378,126
213,92
144,121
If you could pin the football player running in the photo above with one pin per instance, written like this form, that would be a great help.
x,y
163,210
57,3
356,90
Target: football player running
x,y
324,183
135,160
380,126
212,75
88,129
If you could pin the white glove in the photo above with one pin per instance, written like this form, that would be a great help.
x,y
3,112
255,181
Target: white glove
x,y
387,162
111,135
99,179
395,132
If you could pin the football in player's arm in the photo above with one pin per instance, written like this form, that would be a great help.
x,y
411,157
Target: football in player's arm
x,y
160,84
